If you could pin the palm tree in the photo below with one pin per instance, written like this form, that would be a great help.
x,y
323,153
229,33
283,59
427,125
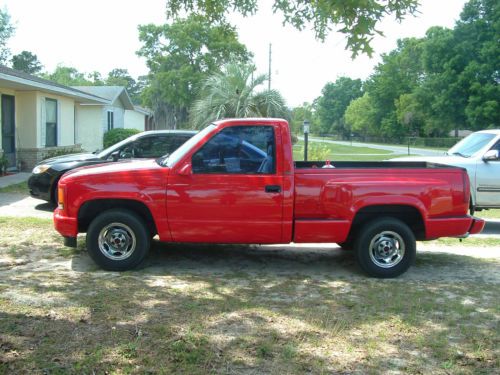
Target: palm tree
x,y
231,93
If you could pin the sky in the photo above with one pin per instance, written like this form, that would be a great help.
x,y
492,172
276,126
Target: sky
x,y
100,35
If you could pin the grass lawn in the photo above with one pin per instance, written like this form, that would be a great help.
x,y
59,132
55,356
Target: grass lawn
x,y
341,152
488,214
21,188
404,144
240,309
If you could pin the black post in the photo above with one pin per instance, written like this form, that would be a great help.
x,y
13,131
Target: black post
x,y
306,136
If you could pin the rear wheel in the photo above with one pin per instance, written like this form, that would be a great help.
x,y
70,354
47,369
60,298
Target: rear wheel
x,y
118,240
385,248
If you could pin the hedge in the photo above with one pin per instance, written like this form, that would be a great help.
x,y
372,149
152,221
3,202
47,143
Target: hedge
x,y
116,135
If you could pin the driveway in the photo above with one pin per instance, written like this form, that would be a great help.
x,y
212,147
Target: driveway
x,y
20,205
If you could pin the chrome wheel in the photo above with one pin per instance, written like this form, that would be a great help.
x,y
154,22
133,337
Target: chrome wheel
x,y
117,241
387,249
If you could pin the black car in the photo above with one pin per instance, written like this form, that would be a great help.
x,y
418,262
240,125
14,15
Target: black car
x,y
151,144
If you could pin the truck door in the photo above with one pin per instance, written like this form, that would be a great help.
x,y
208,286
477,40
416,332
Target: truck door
x,y
234,193
488,181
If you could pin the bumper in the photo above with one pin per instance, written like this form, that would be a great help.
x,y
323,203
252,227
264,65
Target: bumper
x,y
453,227
40,186
66,226
477,226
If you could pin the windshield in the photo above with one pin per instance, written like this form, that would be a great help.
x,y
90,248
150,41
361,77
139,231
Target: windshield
x,y
107,151
471,144
181,151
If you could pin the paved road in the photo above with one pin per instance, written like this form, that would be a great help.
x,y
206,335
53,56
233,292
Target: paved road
x,y
399,150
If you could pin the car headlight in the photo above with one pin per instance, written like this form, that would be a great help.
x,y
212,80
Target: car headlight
x,y
40,168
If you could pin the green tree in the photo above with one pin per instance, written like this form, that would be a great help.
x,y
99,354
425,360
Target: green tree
x,y
360,116
180,56
357,20
478,34
232,93
69,76
410,114
121,77
26,62
400,72
335,98
95,79
6,32
461,86
441,94
306,111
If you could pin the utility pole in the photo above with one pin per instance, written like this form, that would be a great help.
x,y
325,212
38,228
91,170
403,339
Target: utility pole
x,y
269,80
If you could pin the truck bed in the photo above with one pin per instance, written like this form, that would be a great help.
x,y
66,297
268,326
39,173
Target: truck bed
x,y
328,199
371,164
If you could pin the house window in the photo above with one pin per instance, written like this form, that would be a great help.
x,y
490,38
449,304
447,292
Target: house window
x,y
50,122
111,124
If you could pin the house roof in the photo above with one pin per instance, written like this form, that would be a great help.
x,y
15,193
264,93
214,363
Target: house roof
x,y
110,93
21,81
143,110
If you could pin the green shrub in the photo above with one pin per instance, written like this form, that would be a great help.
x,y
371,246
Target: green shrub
x,y
116,135
60,152
318,151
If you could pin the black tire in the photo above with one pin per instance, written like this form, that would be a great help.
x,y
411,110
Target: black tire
x,y
347,245
118,240
385,247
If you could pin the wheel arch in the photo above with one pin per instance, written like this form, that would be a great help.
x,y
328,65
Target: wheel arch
x,y
91,209
408,214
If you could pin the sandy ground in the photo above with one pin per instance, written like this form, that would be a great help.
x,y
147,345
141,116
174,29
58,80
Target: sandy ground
x,y
318,261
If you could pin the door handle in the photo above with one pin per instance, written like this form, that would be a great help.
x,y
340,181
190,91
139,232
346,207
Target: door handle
x,y
273,189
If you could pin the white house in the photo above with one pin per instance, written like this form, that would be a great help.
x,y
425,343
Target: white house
x,y
94,119
40,118
37,117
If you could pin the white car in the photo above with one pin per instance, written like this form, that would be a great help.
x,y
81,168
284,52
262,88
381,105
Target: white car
x,y
479,153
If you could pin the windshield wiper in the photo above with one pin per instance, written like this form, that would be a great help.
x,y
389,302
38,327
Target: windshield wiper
x,y
460,154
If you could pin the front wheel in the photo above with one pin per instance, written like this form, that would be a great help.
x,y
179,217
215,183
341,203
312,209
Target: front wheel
x,y
385,248
118,240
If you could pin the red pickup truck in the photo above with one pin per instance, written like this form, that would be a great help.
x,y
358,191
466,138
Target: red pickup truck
x,y
236,182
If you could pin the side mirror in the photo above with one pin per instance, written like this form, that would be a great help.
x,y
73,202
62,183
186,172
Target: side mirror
x,y
115,155
186,170
491,155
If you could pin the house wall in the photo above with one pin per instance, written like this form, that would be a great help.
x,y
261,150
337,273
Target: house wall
x,y
30,109
118,115
134,120
27,119
89,126
35,101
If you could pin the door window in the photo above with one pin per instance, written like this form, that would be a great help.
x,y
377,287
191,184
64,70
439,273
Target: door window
x,y
238,150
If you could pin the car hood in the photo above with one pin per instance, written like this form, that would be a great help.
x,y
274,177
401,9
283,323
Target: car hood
x,y
128,166
70,158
